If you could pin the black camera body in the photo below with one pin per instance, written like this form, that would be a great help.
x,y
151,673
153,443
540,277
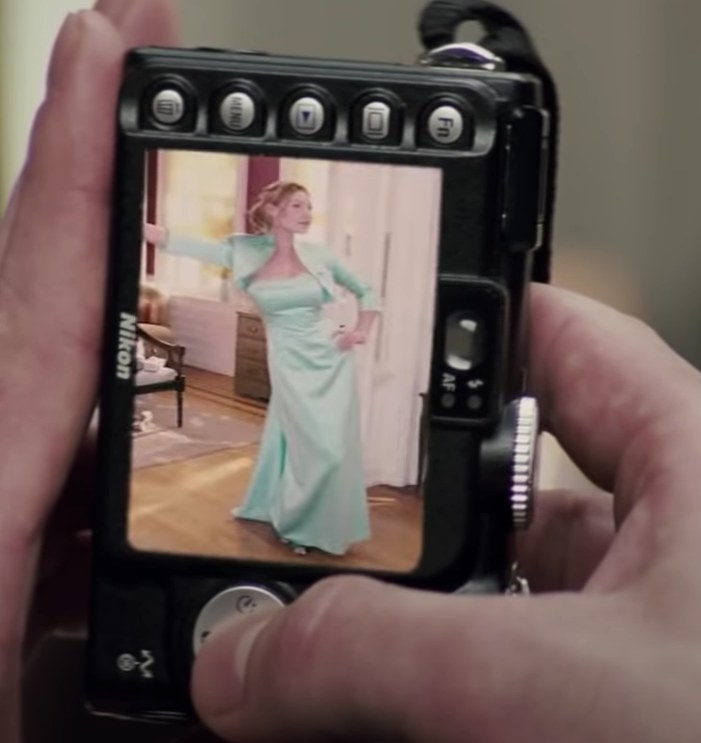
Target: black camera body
x,y
457,150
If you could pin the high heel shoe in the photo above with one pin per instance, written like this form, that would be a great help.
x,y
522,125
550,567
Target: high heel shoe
x,y
298,549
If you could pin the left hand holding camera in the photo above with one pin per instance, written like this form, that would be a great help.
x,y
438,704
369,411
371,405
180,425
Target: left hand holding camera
x,y
53,246
354,659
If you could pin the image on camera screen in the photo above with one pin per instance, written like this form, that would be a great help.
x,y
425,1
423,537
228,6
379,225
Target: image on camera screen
x,y
284,330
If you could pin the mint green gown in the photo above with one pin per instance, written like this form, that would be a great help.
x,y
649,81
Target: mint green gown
x,y
308,480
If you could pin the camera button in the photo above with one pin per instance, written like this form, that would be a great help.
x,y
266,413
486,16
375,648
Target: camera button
x,y
238,111
307,116
239,601
168,106
525,182
377,119
128,652
446,124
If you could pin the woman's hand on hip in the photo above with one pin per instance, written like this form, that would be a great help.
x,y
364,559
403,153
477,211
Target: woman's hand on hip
x,y
348,339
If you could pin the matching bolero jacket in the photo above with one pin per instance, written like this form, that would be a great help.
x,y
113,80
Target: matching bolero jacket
x,y
244,255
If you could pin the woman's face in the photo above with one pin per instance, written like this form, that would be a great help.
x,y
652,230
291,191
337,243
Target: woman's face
x,y
294,214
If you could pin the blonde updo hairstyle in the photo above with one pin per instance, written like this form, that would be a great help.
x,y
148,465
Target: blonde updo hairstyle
x,y
273,195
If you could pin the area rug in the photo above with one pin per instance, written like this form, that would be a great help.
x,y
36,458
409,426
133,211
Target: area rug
x,y
203,432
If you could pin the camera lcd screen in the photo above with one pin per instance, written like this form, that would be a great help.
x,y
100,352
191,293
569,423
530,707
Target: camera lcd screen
x,y
285,329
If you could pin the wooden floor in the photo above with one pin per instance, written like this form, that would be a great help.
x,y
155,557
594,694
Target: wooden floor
x,y
184,507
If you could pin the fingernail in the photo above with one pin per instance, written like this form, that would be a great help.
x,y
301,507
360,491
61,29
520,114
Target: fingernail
x,y
64,50
222,676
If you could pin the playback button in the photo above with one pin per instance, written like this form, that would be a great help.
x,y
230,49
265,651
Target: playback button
x,y
308,115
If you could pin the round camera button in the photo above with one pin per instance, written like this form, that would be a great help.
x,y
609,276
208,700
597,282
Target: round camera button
x,y
307,116
168,106
240,601
376,120
238,111
446,125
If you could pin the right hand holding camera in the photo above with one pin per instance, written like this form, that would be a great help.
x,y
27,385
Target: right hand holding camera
x,y
609,654
612,654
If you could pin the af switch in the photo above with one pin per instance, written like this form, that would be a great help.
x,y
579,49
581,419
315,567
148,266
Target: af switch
x,y
471,332
464,341
238,601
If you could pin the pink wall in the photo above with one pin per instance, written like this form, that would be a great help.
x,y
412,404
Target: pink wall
x,y
262,171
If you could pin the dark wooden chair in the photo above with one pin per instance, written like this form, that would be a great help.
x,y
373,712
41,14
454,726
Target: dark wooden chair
x,y
171,377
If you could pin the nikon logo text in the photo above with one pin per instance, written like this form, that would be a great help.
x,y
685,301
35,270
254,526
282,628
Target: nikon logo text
x,y
127,344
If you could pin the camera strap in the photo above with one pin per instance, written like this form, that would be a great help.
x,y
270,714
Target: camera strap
x,y
507,39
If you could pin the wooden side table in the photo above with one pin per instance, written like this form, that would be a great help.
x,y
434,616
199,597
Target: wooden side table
x,y
251,379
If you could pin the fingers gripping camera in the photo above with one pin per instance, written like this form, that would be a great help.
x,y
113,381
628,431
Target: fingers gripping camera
x,y
315,358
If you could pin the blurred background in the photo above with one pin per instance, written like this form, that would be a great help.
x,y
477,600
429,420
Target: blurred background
x,y
627,226
628,229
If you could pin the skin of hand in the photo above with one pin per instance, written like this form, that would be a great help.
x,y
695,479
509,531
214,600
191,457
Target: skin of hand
x,y
609,651
53,247
345,340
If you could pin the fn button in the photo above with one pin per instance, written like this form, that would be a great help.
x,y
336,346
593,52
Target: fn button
x,y
446,124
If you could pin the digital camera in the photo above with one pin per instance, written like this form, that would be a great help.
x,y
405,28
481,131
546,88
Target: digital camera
x,y
314,358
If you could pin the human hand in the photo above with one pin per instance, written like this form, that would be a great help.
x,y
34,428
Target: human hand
x,y
610,653
155,234
347,339
53,243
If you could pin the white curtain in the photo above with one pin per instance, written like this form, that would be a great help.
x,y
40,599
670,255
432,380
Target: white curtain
x,y
382,222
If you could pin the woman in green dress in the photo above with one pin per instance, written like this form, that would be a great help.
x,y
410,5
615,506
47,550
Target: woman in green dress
x,y
308,481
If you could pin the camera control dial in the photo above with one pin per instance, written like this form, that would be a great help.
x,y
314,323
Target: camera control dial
x,y
524,468
509,463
